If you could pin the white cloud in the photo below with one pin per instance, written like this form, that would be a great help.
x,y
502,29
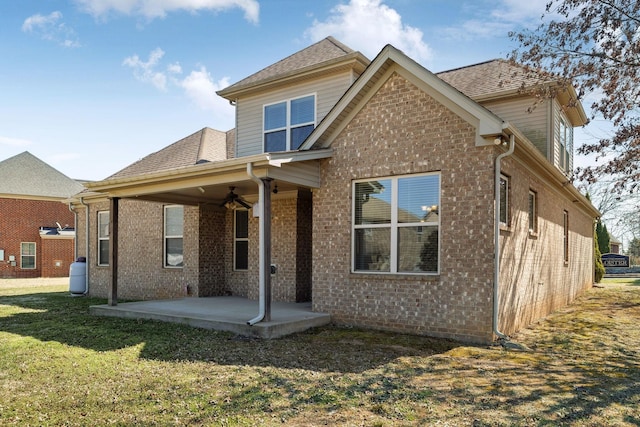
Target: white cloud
x,y
198,86
152,9
367,26
51,28
146,71
14,142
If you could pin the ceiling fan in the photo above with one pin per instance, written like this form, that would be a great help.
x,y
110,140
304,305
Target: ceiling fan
x,y
232,198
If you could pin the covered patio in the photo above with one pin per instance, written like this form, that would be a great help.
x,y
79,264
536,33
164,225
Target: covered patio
x,y
228,313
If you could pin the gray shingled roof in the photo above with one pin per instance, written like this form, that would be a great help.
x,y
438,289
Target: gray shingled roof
x,y
492,77
324,51
206,145
27,175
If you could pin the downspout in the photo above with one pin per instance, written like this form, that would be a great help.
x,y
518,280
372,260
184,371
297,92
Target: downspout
x,y
496,237
75,230
262,310
86,237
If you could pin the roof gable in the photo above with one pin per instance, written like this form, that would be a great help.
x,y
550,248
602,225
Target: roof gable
x,y
27,175
326,54
206,145
391,60
499,79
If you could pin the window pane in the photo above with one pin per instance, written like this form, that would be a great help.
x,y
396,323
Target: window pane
x,y
242,255
103,224
418,249
275,116
302,110
372,249
373,202
28,248
418,199
504,201
174,220
242,224
275,141
28,262
299,134
174,252
532,211
103,255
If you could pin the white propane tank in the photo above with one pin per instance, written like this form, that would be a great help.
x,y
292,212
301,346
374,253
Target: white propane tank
x,y
77,276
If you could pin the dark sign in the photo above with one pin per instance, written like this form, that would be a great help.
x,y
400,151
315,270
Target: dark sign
x,y
615,260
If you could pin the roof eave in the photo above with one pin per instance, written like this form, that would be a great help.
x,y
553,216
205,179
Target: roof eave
x,y
355,61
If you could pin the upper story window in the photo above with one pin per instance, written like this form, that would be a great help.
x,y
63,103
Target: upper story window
x,y
396,224
103,238
565,145
288,123
173,229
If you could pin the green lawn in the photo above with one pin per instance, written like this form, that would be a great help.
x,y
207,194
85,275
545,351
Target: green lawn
x,y
60,366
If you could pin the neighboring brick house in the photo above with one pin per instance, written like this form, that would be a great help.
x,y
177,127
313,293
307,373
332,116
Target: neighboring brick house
x,y
386,195
36,230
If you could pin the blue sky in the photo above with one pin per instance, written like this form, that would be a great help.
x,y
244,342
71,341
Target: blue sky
x,y
90,86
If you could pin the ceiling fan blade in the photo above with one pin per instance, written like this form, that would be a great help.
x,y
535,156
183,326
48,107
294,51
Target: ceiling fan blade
x,y
243,203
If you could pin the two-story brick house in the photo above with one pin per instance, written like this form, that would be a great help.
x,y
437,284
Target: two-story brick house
x,y
36,230
388,196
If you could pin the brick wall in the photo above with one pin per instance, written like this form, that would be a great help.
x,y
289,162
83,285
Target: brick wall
x,y
20,221
409,132
535,280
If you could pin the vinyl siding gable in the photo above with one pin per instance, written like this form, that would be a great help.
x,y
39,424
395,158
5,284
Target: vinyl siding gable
x,y
327,90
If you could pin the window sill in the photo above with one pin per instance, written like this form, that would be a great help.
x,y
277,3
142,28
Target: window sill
x,y
506,228
533,234
430,277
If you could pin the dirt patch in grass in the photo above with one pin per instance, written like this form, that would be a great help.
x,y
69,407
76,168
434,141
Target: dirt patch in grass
x,y
60,366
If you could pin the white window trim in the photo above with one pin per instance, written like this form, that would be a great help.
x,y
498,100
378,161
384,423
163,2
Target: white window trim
x,y
168,236
239,239
35,254
393,226
507,201
101,238
287,128
533,230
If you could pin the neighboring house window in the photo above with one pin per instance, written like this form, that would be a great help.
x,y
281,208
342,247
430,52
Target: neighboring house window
x,y
173,226
28,256
241,240
504,200
533,211
103,238
396,224
287,124
566,237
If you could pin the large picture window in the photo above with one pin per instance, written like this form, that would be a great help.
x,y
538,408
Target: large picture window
x,y
396,224
288,123
28,256
103,238
173,228
241,240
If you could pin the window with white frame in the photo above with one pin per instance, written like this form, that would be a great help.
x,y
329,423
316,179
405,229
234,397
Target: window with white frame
x,y
565,140
241,240
533,211
566,236
103,238
396,224
504,200
288,123
28,255
173,229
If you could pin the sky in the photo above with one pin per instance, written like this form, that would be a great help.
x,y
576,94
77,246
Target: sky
x,y
91,86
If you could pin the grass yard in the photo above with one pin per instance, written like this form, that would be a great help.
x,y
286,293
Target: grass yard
x,y
60,366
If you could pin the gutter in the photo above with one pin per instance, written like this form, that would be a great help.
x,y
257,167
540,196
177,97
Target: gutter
x,y
496,237
264,310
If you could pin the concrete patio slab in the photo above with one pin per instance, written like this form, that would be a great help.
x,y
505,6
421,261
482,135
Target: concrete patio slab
x,y
221,313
